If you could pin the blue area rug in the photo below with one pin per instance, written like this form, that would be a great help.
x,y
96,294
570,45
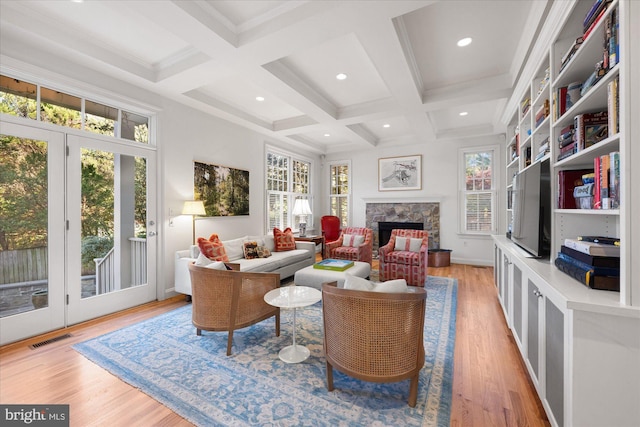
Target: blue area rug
x,y
192,375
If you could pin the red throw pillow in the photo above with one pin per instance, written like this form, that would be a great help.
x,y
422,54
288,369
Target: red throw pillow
x,y
213,248
284,240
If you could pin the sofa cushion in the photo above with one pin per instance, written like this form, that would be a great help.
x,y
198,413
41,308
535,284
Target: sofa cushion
x,y
357,283
216,265
397,285
202,260
408,244
263,252
235,248
284,240
213,248
402,257
251,249
352,240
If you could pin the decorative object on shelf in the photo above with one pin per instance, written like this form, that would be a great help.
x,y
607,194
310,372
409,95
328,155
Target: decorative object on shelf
x,y
224,190
301,208
400,173
193,208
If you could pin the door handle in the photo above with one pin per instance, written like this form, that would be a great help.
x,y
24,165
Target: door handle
x,y
152,233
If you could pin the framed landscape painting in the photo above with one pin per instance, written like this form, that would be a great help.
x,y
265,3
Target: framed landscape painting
x,y
400,173
224,190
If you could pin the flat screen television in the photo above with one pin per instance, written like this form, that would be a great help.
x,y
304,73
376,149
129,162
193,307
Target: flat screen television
x,y
531,204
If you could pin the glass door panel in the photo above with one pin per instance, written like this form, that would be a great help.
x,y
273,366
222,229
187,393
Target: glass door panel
x,y
111,242
31,231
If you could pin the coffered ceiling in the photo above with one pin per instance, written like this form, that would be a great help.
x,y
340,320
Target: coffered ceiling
x,y
406,79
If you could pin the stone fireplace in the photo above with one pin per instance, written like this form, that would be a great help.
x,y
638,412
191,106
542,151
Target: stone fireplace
x,y
413,214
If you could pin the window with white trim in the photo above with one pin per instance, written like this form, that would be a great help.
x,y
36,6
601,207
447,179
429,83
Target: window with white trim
x,y
287,178
340,190
478,190
36,102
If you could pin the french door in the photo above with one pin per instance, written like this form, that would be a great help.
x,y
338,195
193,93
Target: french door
x,y
111,235
77,229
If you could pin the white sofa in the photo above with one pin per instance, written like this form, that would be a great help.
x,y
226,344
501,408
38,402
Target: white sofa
x,y
285,263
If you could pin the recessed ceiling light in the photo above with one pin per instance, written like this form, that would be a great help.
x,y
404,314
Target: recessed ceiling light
x,y
386,125
260,98
327,134
341,76
463,113
465,41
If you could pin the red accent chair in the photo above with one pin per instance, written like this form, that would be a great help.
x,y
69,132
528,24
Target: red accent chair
x,y
331,227
408,262
352,250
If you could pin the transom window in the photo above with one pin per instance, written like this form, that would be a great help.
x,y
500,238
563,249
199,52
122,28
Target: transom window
x,y
287,178
32,101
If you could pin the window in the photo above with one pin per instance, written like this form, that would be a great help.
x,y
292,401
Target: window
x,y
339,190
287,179
35,102
478,192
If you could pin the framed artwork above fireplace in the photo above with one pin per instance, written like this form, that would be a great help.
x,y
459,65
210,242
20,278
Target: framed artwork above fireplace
x,y
400,173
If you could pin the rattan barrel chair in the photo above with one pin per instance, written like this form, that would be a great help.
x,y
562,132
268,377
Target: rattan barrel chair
x,y
226,300
374,336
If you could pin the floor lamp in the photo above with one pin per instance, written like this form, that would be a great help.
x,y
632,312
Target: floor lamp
x,y
301,207
193,208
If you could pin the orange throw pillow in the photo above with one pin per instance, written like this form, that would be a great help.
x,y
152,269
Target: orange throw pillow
x,y
213,248
284,240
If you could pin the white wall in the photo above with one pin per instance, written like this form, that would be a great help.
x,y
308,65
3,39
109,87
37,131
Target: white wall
x,y
186,135
439,183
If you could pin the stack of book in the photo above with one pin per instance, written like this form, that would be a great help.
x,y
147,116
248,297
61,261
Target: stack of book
x,y
590,128
594,15
606,170
592,260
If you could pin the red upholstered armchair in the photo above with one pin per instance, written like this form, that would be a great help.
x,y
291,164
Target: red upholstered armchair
x,y
331,227
405,257
354,244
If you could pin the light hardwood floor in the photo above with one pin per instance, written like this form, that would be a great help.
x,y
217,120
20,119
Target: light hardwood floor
x,y
490,387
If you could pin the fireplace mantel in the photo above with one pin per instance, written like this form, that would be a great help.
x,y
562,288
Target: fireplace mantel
x,y
428,199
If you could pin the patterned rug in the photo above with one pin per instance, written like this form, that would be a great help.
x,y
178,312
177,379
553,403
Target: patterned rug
x,y
164,358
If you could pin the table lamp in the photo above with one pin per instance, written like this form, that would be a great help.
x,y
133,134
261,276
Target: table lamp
x,y
193,208
301,207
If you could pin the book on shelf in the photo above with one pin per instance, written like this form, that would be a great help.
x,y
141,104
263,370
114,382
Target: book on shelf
x,y
587,277
566,58
613,100
560,102
604,182
596,7
614,180
600,239
596,271
596,181
568,151
566,139
594,22
596,261
333,264
589,123
612,47
567,181
591,248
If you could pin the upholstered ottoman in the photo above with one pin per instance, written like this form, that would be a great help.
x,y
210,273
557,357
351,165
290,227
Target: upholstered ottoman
x,y
315,277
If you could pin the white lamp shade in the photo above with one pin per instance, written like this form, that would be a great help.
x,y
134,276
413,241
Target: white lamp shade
x,y
193,207
301,207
